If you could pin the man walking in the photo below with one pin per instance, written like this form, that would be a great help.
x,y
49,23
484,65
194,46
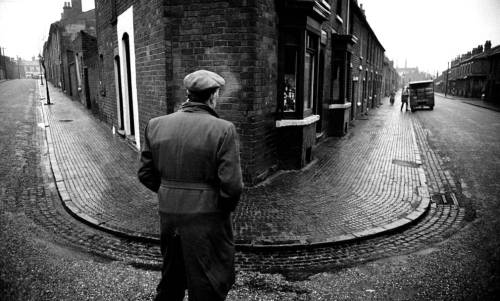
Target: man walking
x,y
404,98
191,159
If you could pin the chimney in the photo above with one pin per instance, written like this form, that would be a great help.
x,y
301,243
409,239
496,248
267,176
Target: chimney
x,y
66,10
361,8
487,45
77,5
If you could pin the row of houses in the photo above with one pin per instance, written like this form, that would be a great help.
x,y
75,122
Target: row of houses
x,y
296,71
473,74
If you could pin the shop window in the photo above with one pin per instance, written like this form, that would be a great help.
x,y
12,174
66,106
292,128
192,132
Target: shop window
x,y
290,72
298,59
336,80
290,79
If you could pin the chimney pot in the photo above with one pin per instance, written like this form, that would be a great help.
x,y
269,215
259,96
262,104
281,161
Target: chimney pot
x,y
487,45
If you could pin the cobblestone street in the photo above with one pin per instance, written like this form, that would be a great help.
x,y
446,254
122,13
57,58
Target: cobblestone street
x,y
371,177
353,189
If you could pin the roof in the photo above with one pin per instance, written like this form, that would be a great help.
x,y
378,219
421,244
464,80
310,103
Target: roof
x,y
494,51
357,10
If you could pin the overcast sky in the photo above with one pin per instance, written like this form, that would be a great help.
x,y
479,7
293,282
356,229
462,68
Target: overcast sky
x,y
426,33
25,24
429,33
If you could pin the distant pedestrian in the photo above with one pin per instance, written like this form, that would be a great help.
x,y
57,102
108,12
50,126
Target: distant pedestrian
x,y
404,98
191,159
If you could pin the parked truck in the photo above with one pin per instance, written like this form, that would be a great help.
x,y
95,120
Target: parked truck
x,y
421,94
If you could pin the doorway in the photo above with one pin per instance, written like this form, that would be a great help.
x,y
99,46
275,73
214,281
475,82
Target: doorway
x,y
128,77
319,102
119,98
87,88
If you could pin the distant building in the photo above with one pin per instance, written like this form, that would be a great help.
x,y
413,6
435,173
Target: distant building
x,y
474,74
411,74
29,69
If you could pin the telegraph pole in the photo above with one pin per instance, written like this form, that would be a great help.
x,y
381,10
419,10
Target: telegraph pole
x,y
40,66
46,84
446,84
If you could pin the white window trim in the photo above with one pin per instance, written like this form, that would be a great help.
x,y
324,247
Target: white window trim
x,y
297,122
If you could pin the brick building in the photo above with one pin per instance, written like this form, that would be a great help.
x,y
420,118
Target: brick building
x,y
473,74
61,60
410,74
296,71
476,73
366,64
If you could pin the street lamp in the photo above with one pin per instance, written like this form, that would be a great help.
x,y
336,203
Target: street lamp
x,y
40,66
42,62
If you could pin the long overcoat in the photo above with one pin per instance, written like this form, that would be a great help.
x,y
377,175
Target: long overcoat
x,y
191,159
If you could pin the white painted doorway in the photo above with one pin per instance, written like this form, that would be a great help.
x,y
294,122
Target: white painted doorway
x,y
129,103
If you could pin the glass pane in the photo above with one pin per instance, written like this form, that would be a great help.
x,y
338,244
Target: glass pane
x,y
311,90
290,80
309,80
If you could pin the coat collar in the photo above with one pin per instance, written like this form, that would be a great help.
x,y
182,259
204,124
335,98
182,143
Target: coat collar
x,y
197,107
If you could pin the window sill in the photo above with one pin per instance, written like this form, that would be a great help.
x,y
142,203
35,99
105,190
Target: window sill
x,y
297,122
337,106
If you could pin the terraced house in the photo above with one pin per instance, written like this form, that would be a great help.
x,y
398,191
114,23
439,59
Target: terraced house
x,y
476,73
296,71
69,52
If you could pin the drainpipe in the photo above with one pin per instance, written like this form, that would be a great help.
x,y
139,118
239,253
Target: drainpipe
x,y
348,15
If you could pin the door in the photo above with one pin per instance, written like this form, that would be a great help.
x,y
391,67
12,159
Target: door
x,y
73,85
87,87
128,90
119,98
319,102
353,99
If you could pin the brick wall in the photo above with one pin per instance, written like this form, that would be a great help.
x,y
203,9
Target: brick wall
x,y
150,50
151,62
106,43
236,39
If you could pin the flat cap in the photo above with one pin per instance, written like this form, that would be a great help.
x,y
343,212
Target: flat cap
x,y
202,80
